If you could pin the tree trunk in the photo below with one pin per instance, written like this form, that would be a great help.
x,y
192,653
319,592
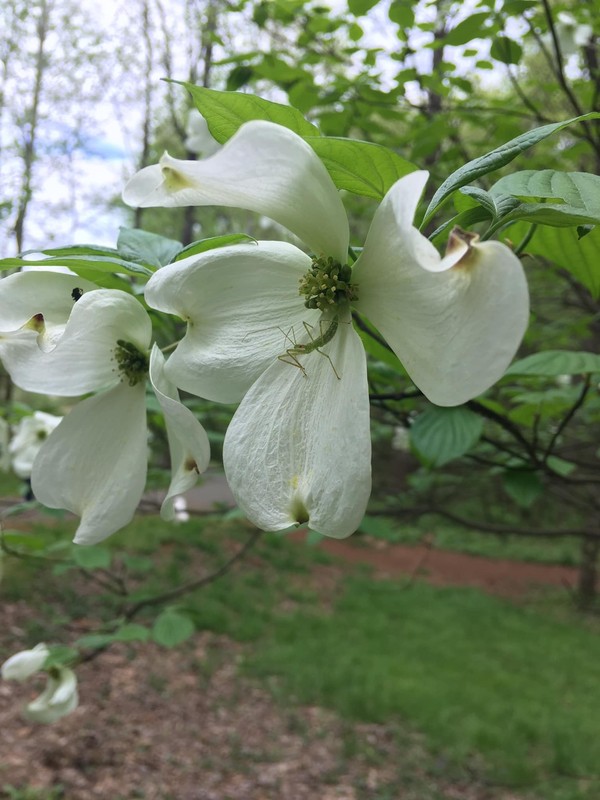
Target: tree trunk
x,y
31,124
588,574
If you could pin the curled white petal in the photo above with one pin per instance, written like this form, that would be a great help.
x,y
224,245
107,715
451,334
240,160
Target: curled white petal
x,y
298,448
83,358
188,443
240,303
264,168
455,323
59,698
23,665
38,293
94,463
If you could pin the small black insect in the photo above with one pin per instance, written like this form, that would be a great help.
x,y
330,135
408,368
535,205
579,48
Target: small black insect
x,y
77,293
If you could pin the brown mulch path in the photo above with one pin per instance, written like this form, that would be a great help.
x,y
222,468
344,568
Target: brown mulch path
x,y
449,568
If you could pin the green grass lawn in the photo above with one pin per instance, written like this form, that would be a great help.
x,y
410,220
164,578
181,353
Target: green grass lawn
x,y
507,690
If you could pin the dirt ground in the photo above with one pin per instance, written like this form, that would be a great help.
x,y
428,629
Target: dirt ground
x,y
158,728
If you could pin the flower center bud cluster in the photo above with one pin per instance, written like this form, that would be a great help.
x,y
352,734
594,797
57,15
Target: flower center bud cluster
x,y
133,363
327,283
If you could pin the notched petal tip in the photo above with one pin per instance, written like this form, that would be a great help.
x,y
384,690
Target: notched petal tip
x,y
298,511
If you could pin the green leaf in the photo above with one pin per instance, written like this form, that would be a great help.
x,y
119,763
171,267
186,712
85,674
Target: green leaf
x,y
551,214
148,248
360,7
363,168
76,250
468,29
495,159
523,486
212,243
551,363
132,632
91,557
402,13
440,435
580,257
225,112
60,655
466,218
83,266
498,205
577,189
94,641
560,466
506,50
517,7
171,628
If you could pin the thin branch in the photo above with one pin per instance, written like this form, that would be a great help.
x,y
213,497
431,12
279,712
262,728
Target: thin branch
x,y
494,527
508,426
560,76
191,586
409,394
567,418
360,323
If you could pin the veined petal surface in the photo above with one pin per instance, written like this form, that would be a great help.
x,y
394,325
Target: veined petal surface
x,y
455,323
94,463
298,448
27,294
83,358
264,168
188,443
243,309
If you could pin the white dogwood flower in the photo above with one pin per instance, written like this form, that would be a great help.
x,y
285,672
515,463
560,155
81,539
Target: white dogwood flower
x,y
94,463
60,695
298,447
59,698
30,434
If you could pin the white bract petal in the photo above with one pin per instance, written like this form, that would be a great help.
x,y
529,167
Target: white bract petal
x,y
241,304
25,664
188,443
59,698
94,463
454,322
42,300
199,138
83,358
298,448
264,168
30,434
